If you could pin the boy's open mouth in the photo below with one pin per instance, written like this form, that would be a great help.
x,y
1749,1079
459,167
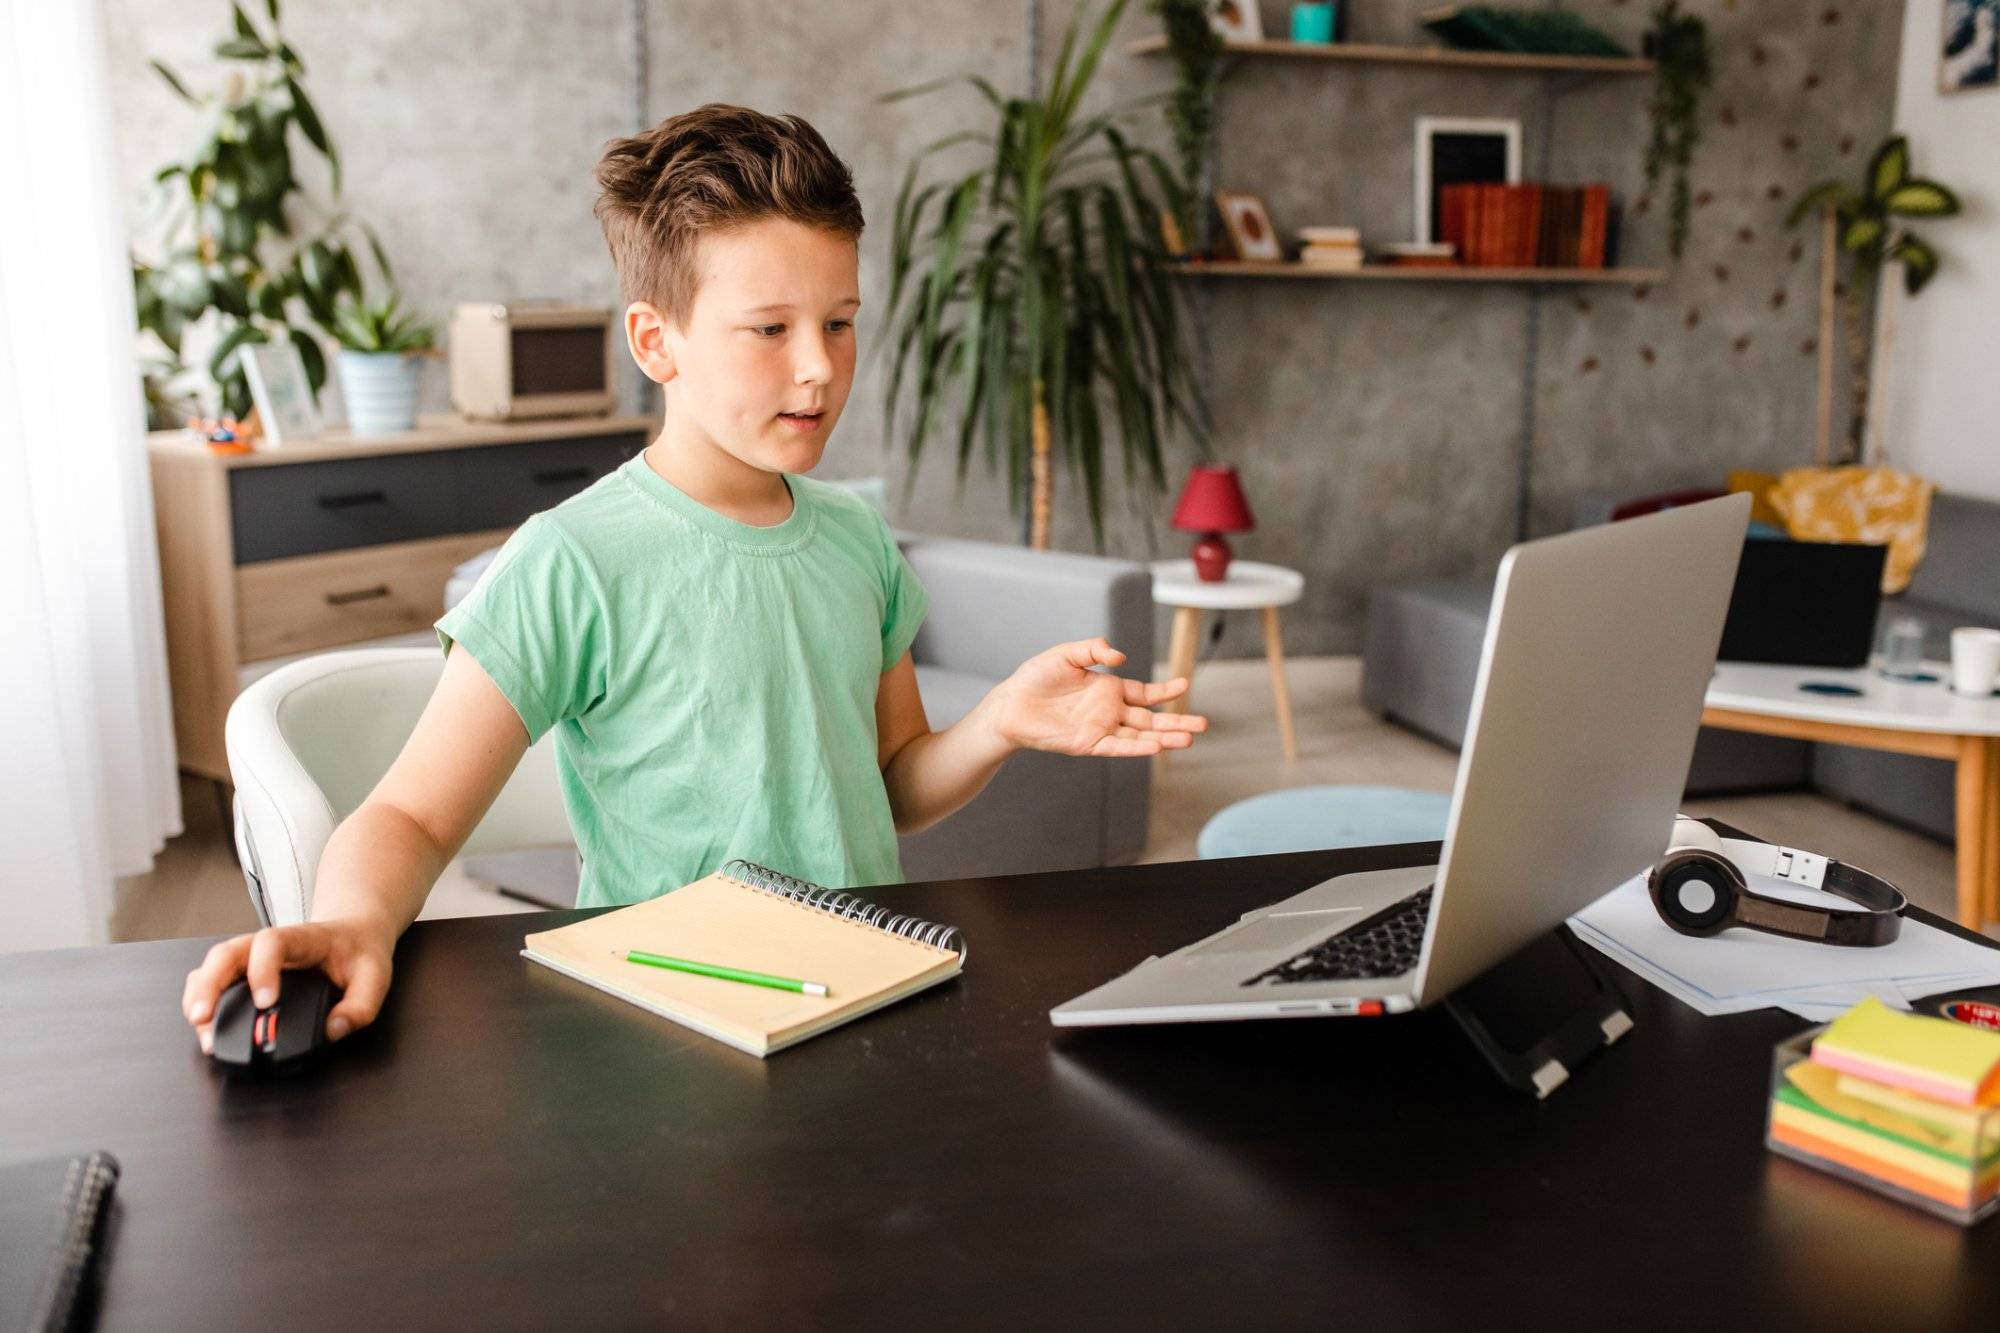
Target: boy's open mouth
x,y
801,420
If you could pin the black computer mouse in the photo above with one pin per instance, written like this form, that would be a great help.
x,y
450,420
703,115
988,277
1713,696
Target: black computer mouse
x,y
283,1039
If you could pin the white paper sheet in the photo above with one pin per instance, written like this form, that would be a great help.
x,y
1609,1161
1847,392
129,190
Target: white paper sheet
x,y
1739,970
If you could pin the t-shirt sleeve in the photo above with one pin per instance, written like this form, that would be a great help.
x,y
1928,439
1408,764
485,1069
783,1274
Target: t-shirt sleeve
x,y
535,623
903,610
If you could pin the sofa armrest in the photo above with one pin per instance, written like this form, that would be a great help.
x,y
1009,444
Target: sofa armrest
x,y
993,606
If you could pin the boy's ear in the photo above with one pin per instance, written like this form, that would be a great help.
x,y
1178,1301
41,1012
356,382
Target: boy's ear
x,y
646,336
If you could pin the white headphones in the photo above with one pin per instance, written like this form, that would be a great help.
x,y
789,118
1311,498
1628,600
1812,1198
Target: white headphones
x,y
1701,888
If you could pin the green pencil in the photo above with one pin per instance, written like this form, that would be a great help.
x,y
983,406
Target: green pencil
x,y
725,973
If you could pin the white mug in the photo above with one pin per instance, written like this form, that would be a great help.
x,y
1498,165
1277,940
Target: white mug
x,y
1975,660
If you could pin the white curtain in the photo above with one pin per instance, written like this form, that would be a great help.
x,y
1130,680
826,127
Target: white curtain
x,y
88,790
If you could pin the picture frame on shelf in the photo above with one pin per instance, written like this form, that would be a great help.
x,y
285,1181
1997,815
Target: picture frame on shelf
x,y
1969,46
1238,20
1248,224
283,394
1460,150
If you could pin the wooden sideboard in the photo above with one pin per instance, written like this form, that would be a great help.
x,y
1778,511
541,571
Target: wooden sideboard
x,y
340,540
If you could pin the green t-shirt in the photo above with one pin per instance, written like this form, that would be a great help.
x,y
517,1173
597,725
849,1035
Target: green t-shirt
x,y
711,684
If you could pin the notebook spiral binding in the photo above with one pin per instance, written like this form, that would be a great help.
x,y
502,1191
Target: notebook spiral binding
x,y
846,906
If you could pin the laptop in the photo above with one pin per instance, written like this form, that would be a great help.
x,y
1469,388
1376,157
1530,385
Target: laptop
x,y
1804,603
1597,654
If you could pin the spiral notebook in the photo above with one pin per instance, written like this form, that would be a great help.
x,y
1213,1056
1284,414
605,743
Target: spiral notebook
x,y
749,917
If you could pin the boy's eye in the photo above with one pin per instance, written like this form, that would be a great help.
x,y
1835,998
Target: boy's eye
x,y
769,330
840,324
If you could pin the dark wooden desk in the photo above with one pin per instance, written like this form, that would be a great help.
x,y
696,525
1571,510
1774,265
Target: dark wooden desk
x,y
508,1148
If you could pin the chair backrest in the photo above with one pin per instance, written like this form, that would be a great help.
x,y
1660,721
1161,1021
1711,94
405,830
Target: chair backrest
x,y
309,741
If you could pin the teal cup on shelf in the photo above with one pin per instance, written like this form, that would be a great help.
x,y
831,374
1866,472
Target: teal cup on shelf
x,y
1313,22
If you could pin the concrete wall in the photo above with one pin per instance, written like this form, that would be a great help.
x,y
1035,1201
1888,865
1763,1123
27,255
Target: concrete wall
x,y
1938,353
1378,427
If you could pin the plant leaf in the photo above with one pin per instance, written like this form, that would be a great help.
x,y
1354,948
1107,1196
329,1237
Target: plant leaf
x,y
241,48
1921,199
1860,234
1825,193
173,82
314,357
1889,167
1919,261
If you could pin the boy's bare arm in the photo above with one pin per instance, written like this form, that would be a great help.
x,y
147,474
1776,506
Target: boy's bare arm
x,y
381,862
1053,702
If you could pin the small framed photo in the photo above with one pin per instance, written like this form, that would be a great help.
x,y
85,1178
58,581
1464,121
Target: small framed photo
x,y
1248,223
1969,51
1238,20
282,393
1453,150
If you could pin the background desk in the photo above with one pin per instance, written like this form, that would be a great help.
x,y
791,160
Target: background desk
x,y
508,1148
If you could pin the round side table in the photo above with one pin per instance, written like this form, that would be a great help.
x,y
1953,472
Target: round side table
x,y
1250,586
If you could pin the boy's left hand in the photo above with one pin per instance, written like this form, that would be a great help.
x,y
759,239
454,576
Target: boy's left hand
x,y
1055,702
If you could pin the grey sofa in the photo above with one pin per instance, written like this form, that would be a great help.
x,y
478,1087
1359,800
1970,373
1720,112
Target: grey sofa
x,y
991,607
1420,651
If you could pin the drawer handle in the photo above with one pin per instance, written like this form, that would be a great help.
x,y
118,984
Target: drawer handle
x,y
353,499
359,595
555,476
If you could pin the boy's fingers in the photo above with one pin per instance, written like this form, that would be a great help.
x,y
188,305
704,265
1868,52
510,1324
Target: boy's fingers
x,y
204,1037
220,966
367,983
1088,653
1140,692
274,948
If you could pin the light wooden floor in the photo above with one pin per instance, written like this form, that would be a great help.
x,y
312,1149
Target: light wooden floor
x,y
195,888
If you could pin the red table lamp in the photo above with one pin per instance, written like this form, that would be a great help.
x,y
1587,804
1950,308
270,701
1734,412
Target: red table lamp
x,y
1212,503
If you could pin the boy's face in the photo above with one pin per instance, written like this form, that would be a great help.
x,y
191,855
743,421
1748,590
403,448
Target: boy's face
x,y
763,366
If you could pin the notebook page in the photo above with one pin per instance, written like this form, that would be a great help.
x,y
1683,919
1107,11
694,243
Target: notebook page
x,y
716,920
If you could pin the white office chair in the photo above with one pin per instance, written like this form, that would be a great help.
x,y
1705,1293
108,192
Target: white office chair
x,y
308,742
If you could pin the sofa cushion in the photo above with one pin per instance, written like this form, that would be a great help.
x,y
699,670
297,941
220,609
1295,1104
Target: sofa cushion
x,y
1957,571
949,695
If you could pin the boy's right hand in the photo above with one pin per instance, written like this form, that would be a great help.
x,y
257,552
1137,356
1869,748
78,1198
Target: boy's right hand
x,y
354,955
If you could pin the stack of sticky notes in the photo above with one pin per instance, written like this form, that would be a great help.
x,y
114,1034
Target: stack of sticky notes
x,y
1901,1100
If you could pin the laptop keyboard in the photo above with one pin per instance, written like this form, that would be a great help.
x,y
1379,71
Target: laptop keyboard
x,y
1384,945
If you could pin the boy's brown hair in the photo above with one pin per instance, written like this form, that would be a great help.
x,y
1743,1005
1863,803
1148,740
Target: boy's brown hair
x,y
711,169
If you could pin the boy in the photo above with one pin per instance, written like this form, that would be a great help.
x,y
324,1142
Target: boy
x,y
721,645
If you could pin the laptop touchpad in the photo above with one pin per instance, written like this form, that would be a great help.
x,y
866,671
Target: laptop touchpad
x,y
1266,933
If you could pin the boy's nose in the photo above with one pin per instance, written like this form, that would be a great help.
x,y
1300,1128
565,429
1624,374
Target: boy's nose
x,y
813,365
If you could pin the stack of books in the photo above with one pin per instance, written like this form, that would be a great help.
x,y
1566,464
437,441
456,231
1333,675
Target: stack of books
x,y
1905,1104
1530,226
1330,247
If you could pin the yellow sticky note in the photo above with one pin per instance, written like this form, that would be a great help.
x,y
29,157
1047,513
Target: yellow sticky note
x,y
1934,1057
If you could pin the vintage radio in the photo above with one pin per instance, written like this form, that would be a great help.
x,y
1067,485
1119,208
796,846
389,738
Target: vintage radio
x,y
530,359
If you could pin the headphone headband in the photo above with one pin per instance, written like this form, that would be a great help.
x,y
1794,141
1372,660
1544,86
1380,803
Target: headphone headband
x,y
1701,887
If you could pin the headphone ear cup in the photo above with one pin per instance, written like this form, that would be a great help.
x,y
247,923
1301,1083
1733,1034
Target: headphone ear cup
x,y
1676,884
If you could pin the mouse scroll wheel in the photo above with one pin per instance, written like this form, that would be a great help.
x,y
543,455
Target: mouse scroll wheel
x,y
265,1031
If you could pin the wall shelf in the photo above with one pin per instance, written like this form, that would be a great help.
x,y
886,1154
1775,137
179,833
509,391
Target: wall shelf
x,y
1423,57
1239,268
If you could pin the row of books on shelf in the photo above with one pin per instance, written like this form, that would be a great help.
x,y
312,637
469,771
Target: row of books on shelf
x,y
1530,226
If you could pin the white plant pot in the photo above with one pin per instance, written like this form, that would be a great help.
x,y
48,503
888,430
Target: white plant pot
x,y
380,389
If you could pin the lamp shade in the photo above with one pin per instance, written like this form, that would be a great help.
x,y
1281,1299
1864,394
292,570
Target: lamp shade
x,y
1212,501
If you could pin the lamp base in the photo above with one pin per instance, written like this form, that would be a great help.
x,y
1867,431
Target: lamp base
x,y
1211,558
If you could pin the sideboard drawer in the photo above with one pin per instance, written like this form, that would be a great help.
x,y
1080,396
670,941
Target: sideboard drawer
x,y
500,487
292,509
320,601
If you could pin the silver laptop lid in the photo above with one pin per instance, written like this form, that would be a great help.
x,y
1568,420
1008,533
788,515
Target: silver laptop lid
x,y
1597,654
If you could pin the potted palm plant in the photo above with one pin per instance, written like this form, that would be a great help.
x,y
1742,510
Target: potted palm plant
x,y
1031,297
231,263
381,361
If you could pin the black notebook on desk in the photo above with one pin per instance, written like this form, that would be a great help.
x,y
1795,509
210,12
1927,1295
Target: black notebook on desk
x,y
52,1215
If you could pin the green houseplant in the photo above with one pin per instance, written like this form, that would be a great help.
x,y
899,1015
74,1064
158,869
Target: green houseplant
x,y
1864,225
381,350
231,263
1196,49
1032,293
1677,43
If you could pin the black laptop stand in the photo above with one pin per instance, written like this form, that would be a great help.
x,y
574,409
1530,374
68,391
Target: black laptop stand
x,y
1539,1014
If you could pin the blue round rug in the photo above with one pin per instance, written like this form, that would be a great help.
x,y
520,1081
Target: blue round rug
x,y
1304,819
